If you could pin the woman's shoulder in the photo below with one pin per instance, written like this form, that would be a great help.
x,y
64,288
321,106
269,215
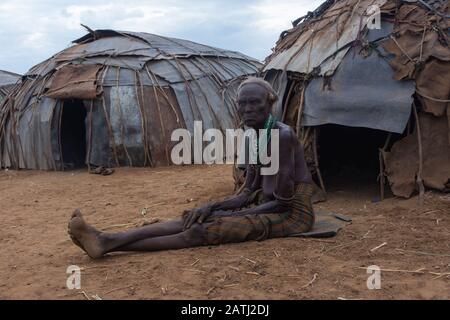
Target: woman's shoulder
x,y
286,132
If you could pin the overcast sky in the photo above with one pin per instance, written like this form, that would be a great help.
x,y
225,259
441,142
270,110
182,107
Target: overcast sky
x,y
33,30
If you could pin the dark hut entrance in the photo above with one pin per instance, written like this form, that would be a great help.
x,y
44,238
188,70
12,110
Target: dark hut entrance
x,y
73,134
349,157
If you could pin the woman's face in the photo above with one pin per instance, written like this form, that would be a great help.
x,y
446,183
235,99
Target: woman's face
x,y
253,105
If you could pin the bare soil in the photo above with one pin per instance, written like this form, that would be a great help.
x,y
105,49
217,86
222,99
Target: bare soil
x,y
35,249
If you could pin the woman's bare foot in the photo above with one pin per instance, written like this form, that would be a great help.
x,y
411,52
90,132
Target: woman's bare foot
x,y
86,237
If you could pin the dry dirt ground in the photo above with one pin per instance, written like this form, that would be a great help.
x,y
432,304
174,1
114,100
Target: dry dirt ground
x,y
35,250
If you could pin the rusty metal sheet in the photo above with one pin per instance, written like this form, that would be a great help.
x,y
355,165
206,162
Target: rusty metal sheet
x,y
135,63
99,145
30,147
111,46
43,68
170,47
159,47
126,122
75,82
188,105
182,69
127,77
325,43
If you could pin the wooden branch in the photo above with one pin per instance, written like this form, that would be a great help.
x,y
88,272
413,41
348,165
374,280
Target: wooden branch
x,y
378,247
419,173
311,282
316,161
300,109
424,253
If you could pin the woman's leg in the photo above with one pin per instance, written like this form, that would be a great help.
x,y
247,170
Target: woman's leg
x,y
192,237
97,243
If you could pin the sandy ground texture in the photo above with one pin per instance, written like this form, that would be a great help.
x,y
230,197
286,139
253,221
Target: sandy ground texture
x,y
411,244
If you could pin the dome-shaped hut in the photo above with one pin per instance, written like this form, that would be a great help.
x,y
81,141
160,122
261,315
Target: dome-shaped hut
x,y
366,84
114,98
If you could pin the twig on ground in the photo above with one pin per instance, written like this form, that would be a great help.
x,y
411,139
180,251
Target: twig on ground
x,y
156,204
321,240
440,274
311,282
195,262
224,277
234,268
421,270
210,290
378,247
431,211
351,242
85,295
344,245
424,253
117,289
254,262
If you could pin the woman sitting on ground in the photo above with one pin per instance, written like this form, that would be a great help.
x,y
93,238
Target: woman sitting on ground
x,y
270,206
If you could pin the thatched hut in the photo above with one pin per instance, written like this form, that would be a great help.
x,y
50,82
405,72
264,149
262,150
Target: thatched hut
x,y
7,81
366,83
114,98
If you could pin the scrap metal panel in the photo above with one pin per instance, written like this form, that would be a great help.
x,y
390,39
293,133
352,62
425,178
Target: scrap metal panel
x,y
362,93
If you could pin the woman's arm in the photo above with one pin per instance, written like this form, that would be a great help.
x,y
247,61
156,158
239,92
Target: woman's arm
x,y
232,203
243,199
273,206
284,182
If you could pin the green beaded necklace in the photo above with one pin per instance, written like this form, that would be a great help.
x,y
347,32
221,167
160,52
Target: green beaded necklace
x,y
268,126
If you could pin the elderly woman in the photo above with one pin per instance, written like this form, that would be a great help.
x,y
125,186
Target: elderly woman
x,y
270,206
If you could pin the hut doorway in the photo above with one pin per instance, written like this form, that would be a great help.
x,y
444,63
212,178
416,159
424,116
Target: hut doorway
x,y
349,157
73,134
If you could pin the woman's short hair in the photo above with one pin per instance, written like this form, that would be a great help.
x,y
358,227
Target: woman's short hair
x,y
271,94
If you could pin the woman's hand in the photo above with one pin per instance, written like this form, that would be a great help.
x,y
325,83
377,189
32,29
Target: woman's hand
x,y
196,215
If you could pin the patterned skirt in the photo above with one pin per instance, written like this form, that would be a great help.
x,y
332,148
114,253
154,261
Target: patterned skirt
x,y
298,219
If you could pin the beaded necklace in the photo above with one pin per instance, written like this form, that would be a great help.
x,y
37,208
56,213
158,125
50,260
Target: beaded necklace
x,y
268,126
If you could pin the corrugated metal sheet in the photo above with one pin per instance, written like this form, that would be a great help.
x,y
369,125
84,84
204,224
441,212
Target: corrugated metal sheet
x,y
325,42
343,73
7,81
8,78
147,86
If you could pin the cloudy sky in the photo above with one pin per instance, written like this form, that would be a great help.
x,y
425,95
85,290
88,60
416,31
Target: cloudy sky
x,y
33,30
